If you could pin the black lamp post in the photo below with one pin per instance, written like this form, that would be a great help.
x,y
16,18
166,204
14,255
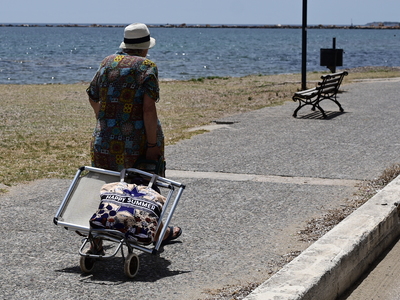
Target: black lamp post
x,y
304,48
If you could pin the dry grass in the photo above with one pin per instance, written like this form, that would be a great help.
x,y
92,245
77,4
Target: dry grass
x,y
45,129
44,132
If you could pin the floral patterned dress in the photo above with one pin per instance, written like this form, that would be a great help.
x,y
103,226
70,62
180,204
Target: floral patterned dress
x,y
120,84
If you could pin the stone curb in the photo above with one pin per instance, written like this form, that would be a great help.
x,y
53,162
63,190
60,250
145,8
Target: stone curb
x,y
332,264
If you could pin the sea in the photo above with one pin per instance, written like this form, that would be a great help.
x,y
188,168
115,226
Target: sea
x,y
64,55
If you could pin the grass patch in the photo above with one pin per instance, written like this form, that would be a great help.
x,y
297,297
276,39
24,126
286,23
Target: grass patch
x,y
46,129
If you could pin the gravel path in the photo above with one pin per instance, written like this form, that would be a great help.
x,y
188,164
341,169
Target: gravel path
x,y
237,229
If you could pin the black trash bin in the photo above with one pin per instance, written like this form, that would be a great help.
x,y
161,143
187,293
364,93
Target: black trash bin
x,y
331,57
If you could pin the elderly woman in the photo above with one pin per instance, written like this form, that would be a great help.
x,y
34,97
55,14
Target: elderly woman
x,y
123,94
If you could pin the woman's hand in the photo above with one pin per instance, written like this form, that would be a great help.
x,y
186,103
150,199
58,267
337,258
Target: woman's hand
x,y
96,107
153,153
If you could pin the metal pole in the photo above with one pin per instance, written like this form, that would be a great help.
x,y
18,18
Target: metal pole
x,y
304,48
334,53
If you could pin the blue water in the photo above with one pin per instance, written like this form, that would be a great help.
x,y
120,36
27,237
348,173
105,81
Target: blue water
x,y
72,54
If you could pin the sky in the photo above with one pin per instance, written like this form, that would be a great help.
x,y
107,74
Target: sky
x,y
271,12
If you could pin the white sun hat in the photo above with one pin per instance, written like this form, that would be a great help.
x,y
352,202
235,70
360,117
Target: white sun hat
x,y
137,36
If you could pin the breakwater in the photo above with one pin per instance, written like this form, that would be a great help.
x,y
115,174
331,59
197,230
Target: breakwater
x,y
376,25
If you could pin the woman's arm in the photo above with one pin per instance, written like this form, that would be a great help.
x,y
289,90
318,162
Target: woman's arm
x,y
150,123
95,106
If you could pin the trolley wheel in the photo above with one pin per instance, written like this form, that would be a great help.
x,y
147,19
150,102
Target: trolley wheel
x,y
87,263
131,265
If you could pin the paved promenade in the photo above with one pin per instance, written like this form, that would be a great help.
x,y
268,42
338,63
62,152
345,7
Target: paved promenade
x,y
382,282
252,183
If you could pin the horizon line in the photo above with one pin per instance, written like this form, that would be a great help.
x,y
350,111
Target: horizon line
x,y
196,24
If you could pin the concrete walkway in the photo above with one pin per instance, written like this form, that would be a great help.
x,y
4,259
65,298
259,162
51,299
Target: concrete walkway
x,y
251,185
382,282
336,148
331,266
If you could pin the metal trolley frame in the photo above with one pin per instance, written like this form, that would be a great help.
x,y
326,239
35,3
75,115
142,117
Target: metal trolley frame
x,y
82,200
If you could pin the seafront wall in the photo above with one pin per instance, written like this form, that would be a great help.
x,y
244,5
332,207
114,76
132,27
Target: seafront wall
x,y
278,26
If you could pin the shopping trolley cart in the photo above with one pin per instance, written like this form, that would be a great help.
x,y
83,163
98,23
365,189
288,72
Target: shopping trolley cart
x,y
82,200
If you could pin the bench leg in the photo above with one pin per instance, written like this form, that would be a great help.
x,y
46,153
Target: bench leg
x,y
298,108
333,99
316,105
322,112
338,104
295,112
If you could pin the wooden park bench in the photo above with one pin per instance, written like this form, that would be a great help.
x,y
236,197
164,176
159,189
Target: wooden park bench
x,y
326,89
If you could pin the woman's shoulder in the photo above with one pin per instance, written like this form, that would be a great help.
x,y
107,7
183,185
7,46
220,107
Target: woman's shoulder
x,y
141,65
108,59
149,63
131,59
